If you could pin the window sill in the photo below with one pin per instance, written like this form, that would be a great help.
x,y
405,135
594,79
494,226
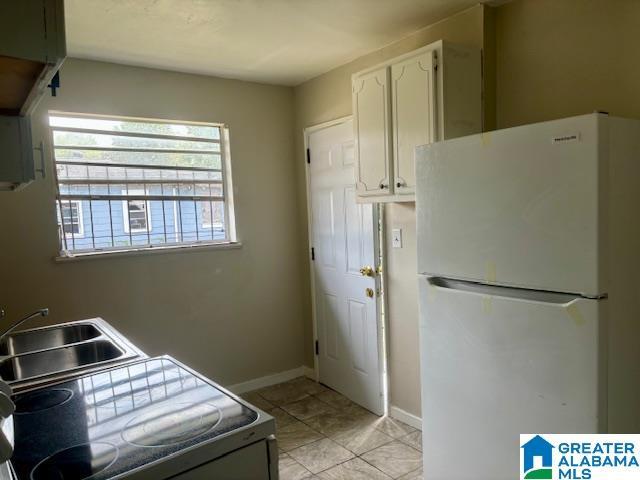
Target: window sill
x,y
147,251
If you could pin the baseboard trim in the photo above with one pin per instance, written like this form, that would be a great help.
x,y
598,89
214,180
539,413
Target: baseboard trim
x,y
310,373
268,380
406,417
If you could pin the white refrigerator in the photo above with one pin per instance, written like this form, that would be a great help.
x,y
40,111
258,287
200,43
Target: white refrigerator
x,y
528,262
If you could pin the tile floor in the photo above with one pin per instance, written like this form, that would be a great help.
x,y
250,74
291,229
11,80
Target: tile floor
x,y
323,435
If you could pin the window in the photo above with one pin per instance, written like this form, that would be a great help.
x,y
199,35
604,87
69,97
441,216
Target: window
x,y
136,214
211,217
71,224
140,184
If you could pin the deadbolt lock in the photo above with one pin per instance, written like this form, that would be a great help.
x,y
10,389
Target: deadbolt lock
x,y
370,293
368,271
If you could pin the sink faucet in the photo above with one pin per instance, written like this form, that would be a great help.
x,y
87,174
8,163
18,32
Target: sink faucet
x,y
43,312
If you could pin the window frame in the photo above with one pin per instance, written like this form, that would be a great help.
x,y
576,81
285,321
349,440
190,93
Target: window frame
x,y
231,239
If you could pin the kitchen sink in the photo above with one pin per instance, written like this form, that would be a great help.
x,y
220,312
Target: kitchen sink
x,y
44,338
30,358
58,360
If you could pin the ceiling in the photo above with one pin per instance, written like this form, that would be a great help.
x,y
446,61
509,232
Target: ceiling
x,y
273,41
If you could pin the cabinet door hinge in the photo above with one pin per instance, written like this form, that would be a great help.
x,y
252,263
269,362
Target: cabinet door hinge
x,y
55,84
317,348
313,253
308,156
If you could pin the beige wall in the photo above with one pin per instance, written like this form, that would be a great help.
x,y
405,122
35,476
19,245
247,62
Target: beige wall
x,y
328,97
561,58
232,314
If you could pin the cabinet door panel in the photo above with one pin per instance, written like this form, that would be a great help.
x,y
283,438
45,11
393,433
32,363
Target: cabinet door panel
x,y
16,157
22,30
372,133
414,107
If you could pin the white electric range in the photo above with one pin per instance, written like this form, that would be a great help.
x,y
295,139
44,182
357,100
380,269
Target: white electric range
x,y
148,420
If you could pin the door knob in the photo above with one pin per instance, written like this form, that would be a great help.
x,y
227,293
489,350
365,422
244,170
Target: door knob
x,y
370,293
368,271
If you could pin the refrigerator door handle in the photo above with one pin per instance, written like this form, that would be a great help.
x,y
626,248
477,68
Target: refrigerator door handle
x,y
544,296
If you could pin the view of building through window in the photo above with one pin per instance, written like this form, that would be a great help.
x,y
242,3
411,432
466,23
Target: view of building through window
x,y
72,223
126,183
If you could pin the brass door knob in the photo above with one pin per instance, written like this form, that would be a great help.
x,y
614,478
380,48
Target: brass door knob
x,y
370,293
368,271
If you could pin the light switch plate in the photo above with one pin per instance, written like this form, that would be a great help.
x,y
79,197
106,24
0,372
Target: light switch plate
x,y
396,236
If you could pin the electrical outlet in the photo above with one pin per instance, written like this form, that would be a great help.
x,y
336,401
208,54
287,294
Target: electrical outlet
x,y
396,236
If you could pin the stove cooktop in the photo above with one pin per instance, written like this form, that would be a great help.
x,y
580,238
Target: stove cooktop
x,y
112,422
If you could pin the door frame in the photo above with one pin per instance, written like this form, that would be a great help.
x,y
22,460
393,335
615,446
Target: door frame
x,y
381,297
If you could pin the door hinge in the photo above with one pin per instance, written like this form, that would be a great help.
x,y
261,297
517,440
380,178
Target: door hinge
x,y
308,156
317,348
313,253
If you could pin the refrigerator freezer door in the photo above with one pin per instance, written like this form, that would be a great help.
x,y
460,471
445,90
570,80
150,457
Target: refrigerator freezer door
x,y
514,207
494,367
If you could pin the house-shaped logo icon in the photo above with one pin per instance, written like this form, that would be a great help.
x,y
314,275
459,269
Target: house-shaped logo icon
x,y
538,447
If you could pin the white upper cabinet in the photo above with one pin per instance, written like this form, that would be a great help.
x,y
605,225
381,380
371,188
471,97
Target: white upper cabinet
x,y
25,20
372,132
32,49
429,94
16,152
414,110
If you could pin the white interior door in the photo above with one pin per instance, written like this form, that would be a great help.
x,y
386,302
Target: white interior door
x,y
346,302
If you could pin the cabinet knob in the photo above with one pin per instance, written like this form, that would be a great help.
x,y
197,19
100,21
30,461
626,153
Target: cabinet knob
x,y
383,186
399,185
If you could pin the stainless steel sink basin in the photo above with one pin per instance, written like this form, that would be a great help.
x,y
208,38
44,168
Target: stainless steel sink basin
x,y
30,358
58,360
44,338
